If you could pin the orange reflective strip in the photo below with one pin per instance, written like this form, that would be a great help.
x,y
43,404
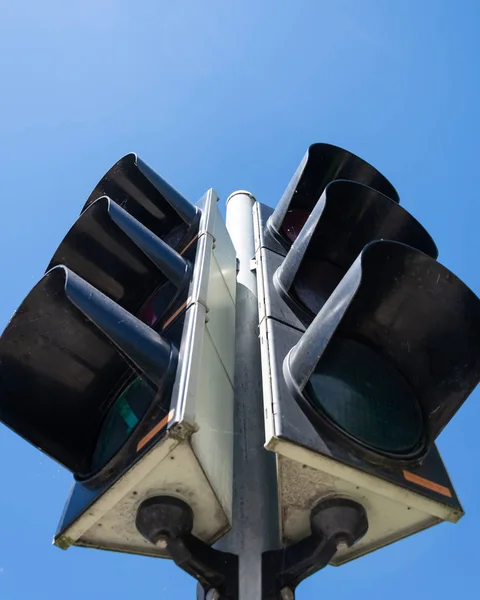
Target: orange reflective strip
x,y
189,244
426,483
179,310
164,422
153,432
176,313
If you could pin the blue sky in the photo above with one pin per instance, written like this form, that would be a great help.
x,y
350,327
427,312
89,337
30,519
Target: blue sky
x,y
229,94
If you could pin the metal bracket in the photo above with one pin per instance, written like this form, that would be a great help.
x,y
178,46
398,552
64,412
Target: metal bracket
x,y
168,522
333,522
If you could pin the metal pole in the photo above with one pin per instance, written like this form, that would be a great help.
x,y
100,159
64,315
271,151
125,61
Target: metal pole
x,y
255,512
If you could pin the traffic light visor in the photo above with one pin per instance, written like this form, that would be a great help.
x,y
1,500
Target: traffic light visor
x,y
145,195
347,217
322,164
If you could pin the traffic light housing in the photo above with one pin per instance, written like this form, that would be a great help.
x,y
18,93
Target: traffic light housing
x,y
374,363
114,369
369,347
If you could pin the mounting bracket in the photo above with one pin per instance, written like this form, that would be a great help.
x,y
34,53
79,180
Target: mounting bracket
x,y
168,522
333,522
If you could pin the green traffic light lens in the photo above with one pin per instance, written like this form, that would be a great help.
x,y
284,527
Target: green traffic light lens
x,y
123,417
366,397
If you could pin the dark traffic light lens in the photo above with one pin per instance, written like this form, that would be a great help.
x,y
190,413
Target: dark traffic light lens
x,y
123,417
293,223
366,397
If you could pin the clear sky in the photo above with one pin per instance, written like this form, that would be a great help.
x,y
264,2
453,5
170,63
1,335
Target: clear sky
x,y
229,94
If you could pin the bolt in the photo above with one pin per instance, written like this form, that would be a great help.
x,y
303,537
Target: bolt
x,y
162,543
287,594
341,546
213,594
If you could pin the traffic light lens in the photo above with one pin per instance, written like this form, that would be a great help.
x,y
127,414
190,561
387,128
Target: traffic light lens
x,y
125,414
366,397
293,223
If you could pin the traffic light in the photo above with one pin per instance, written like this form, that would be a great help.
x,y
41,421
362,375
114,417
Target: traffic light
x,y
119,363
369,347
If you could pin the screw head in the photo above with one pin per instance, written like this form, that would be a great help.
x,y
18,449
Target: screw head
x,y
287,594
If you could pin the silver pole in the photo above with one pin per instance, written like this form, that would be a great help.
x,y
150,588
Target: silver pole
x,y
255,512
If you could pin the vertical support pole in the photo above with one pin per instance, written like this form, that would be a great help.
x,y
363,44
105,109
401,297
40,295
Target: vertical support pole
x,y
255,506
